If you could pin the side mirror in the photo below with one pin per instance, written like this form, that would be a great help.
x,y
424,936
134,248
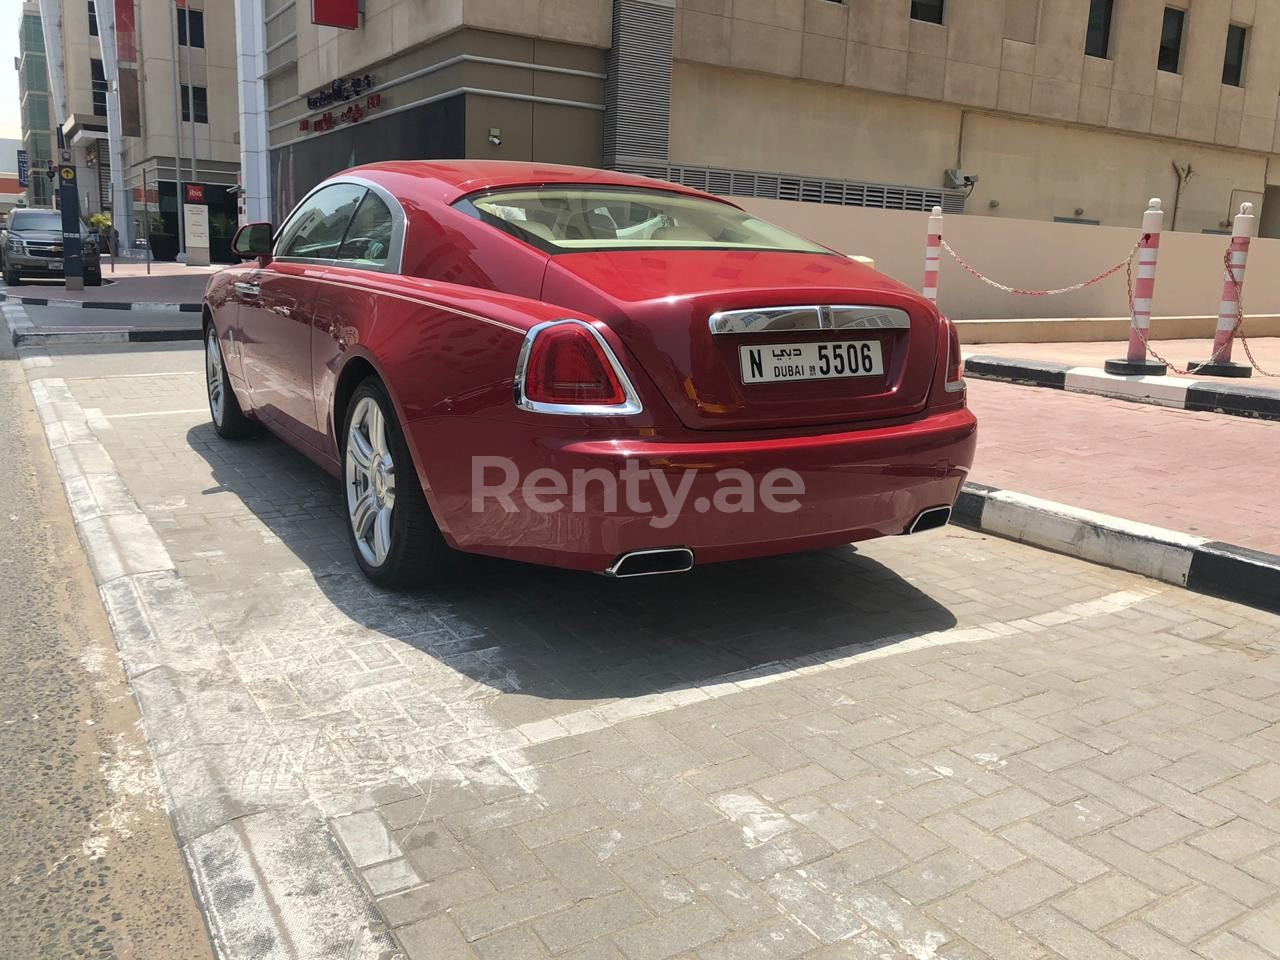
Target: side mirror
x,y
253,240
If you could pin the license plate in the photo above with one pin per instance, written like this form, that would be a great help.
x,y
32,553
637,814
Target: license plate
x,y
780,362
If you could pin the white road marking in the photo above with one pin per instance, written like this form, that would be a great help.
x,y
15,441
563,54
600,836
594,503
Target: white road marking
x,y
595,718
154,413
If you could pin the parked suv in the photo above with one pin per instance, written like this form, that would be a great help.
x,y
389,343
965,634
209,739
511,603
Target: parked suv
x,y
31,246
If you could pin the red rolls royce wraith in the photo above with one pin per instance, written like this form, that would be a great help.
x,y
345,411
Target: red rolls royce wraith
x,y
585,369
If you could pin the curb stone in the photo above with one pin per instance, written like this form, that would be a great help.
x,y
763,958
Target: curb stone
x,y
154,306
1246,576
1213,396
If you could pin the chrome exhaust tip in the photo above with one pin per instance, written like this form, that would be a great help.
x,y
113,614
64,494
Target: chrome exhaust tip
x,y
930,519
648,563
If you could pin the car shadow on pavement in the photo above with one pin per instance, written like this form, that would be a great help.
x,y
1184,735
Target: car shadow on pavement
x,y
565,635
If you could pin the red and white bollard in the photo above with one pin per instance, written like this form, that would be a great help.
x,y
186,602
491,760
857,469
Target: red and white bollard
x,y
1144,288
933,256
1219,363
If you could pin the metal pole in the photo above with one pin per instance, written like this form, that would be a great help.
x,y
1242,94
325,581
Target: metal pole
x,y
177,144
191,96
146,205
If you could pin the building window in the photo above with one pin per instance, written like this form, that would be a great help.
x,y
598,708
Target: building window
x,y
199,96
93,19
929,11
99,87
1170,59
190,27
1233,63
1097,38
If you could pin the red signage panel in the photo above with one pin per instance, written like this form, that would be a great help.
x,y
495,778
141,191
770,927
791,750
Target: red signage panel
x,y
195,192
336,13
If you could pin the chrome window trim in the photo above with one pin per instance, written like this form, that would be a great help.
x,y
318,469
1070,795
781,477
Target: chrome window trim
x,y
809,317
628,407
399,228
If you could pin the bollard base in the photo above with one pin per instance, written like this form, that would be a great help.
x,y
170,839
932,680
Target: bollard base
x,y
1135,368
1222,368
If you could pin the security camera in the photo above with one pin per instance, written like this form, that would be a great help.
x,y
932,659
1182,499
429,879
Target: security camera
x,y
970,180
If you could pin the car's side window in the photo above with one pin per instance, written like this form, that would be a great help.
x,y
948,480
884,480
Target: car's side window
x,y
316,229
368,239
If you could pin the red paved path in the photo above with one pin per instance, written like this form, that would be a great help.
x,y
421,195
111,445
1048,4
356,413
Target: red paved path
x,y
1206,474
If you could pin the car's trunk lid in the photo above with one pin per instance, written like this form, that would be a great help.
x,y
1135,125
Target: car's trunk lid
x,y
662,304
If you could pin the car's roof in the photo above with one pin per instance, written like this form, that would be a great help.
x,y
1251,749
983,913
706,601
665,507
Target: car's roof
x,y
447,180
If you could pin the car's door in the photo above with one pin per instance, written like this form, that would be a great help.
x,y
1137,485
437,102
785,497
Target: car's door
x,y
276,310
374,242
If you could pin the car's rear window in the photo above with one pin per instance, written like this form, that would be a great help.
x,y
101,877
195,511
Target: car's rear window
x,y
50,220
570,219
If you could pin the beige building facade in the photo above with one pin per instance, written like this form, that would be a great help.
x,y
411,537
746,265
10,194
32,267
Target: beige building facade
x,y
145,94
1000,89
1075,110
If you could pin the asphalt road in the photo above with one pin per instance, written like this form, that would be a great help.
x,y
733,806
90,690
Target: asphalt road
x,y
88,318
88,863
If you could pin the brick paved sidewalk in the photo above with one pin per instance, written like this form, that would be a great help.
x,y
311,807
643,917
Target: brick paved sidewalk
x,y
1200,473
1266,350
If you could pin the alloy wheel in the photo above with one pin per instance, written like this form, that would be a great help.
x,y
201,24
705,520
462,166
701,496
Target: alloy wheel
x,y
213,372
371,481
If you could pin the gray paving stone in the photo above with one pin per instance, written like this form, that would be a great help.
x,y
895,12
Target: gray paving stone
x,y
1227,946
1103,901
779,939
1064,857
1235,841
1019,888
1065,938
685,929
514,943
480,918
933,877
366,838
983,929
1190,915
589,919
435,938
1143,867
504,858
435,896
1142,943
740,900
1004,808
577,869
1209,869
1158,828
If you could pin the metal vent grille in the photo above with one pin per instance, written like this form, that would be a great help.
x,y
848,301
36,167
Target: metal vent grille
x,y
782,186
638,87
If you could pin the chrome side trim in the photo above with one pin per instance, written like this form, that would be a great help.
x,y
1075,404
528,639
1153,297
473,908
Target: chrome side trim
x,y
809,317
631,405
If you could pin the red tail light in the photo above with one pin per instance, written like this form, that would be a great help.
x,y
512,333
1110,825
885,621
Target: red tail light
x,y
567,365
955,360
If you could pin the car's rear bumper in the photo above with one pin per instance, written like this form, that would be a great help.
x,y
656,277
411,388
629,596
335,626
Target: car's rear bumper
x,y
857,484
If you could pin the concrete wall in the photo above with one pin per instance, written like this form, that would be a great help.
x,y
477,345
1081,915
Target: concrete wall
x,y
1033,255
1029,168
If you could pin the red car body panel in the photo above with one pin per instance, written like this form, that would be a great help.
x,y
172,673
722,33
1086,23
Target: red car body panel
x,y
445,336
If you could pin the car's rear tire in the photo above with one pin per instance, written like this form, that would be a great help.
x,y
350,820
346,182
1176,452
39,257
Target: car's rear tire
x,y
229,420
394,536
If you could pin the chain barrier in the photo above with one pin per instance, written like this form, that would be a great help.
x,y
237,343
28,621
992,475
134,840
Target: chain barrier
x,y
1237,332
1041,293
1126,264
